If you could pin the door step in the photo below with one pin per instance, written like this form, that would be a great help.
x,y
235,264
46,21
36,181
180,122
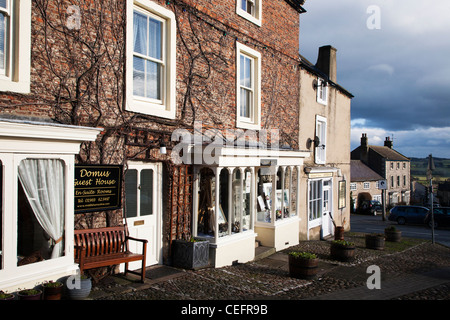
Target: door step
x,y
262,252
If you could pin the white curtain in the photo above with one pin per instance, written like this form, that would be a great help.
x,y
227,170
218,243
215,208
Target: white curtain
x,y
43,183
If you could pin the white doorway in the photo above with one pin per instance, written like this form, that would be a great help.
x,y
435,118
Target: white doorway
x,y
143,210
327,205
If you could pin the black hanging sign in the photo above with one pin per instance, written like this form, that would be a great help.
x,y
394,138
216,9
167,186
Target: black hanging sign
x,y
97,187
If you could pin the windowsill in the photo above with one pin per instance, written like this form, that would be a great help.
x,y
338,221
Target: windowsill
x,y
249,17
243,124
228,239
277,223
150,108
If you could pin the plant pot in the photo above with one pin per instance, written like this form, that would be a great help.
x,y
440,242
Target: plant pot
x,y
342,252
34,294
339,233
54,291
6,296
393,236
190,255
375,242
301,268
80,289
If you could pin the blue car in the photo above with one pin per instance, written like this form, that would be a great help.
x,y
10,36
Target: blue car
x,y
408,214
441,217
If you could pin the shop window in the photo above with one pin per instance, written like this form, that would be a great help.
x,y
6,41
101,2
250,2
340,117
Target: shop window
x,y
294,187
223,215
246,192
315,199
207,203
264,198
138,193
41,210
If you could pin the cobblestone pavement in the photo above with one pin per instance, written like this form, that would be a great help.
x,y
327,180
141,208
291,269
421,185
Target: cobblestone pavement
x,y
269,278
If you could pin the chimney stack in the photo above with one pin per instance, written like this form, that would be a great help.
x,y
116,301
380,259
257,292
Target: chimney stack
x,y
326,62
388,143
364,150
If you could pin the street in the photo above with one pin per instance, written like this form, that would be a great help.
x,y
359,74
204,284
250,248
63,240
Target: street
x,y
370,224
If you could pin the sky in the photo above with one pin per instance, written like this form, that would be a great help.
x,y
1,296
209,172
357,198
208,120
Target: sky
x,y
394,57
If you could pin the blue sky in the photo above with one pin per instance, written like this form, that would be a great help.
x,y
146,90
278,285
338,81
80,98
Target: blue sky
x,y
394,57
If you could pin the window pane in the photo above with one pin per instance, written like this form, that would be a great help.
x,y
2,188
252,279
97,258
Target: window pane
x,y
207,203
246,192
294,192
246,71
146,189
237,201
153,80
154,35
224,210
140,33
245,103
2,42
131,193
138,76
264,200
41,210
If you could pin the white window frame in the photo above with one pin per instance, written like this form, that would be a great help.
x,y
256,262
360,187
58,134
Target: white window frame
x,y
321,132
254,122
353,186
318,198
166,107
322,91
256,17
366,185
16,75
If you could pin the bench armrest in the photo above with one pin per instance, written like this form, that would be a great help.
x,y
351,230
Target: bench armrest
x,y
144,244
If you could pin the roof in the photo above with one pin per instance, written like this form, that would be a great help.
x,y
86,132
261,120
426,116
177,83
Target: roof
x,y
297,5
359,172
389,154
306,64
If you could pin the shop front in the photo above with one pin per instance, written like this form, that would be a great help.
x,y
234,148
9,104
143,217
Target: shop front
x,y
37,200
244,195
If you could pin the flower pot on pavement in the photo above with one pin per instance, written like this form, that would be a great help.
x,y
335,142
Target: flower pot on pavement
x,y
342,250
192,254
303,265
392,234
53,290
375,241
339,233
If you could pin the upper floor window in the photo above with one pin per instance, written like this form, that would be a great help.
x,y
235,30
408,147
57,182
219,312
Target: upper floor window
x,y
321,133
15,45
250,10
322,91
248,86
352,186
151,62
366,185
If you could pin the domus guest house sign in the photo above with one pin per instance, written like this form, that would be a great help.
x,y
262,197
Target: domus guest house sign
x,y
97,187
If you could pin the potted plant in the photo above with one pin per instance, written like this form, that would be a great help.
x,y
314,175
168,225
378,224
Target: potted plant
x,y
392,234
375,241
52,290
342,250
6,296
303,265
30,294
79,287
192,254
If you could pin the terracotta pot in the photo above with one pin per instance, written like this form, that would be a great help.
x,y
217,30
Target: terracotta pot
x,y
36,296
303,268
53,292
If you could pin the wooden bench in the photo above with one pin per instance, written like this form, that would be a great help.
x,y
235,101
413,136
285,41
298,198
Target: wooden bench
x,y
103,247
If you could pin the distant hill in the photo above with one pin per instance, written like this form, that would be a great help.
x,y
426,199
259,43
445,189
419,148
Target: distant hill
x,y
419,167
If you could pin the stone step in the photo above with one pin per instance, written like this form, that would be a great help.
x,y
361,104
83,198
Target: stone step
x,y
262,252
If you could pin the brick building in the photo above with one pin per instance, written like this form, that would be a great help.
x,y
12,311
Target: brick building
x,y
108,83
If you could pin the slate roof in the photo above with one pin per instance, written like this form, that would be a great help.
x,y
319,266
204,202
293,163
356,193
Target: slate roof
x,y
384,152
359,172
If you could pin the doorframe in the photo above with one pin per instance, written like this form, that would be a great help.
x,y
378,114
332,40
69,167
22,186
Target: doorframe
x,y
158,185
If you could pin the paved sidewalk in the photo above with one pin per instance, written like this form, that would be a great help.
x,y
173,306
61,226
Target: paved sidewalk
x,y
392,288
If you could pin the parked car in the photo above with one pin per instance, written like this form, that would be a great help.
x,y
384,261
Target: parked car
x,y
369,207
441,217
408,214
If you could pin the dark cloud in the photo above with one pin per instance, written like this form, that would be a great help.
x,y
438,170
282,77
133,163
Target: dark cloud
x,y
399,74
